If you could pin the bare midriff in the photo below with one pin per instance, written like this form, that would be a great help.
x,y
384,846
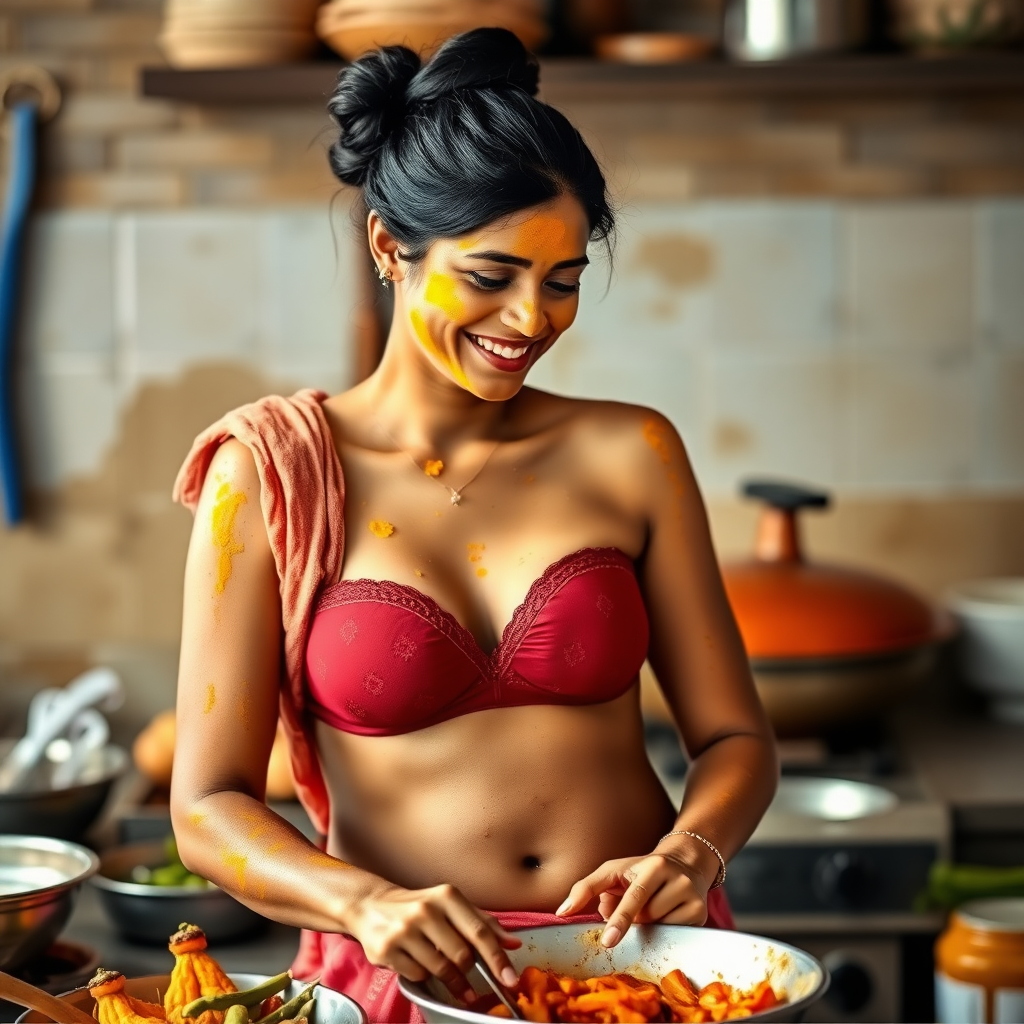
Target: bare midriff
x,y
510,805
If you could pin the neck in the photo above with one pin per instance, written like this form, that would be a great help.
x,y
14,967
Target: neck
x,y
420,407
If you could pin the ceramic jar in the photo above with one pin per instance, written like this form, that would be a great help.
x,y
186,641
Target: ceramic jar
x,y
979,964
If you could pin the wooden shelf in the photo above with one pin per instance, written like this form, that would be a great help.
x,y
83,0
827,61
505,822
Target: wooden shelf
x,y
572,78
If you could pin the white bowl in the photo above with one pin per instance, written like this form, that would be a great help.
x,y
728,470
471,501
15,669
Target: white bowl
x,y
649,952
991,615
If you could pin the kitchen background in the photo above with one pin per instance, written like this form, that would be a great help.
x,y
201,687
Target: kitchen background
x,y
824,289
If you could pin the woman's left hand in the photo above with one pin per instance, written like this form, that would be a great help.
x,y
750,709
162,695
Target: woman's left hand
x,y
656,887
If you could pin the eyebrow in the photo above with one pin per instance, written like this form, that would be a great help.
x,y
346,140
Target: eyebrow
x,y
518,261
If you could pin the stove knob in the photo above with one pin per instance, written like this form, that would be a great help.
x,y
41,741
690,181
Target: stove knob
x,y
851,987
840,879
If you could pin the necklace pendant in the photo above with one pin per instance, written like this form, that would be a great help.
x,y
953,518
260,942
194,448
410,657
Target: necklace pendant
x,y
456,498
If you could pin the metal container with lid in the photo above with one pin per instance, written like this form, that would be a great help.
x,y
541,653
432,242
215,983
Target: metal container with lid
x,y
827,643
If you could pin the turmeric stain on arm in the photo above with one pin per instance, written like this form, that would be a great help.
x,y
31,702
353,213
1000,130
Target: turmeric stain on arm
x,y
222,529
238,862
211,698
656,436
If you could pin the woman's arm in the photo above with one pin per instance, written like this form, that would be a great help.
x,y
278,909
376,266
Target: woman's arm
x,y
227,710
699,660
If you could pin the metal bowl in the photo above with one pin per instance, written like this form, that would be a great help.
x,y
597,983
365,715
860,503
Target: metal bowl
x,y
152,913
826,799
63,813
649,952
331,1007
39,878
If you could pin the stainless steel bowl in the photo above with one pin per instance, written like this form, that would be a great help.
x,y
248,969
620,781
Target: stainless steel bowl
x,y
64,813
779,29
331,1007
649,952
39,878
152,913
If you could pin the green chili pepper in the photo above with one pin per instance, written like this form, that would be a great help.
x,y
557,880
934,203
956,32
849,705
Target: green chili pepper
x,y
247,997
291,1007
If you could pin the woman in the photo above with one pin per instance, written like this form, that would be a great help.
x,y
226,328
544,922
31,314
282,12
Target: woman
x,y
460,577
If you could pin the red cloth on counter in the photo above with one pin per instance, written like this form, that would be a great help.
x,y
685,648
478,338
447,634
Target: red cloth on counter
x,y
340,964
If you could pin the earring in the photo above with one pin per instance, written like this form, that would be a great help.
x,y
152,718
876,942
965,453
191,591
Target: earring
x,y
385,276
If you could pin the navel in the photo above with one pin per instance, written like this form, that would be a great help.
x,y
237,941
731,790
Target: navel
x,y
530,862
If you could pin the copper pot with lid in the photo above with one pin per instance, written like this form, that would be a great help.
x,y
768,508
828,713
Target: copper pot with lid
x,y
828,644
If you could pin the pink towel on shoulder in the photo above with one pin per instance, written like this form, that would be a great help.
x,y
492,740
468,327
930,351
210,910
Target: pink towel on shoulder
x,y
302,493
341,964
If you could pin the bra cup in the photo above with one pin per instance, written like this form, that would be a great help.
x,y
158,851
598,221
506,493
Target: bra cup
x,y
587,638
373,670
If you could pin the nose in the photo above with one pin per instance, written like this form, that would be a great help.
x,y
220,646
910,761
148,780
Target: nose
x,y
524,315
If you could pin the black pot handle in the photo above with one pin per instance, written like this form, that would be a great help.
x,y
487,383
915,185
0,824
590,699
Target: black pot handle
x,y
787,497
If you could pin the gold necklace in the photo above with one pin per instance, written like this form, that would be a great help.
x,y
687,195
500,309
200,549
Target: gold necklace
x,y
433,468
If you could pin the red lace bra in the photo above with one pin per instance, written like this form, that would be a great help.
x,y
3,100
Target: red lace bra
x,y
384,658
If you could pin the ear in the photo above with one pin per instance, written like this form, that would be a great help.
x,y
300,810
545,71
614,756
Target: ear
x,y
384,247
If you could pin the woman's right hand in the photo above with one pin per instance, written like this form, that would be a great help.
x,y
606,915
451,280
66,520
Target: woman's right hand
x,y
423,932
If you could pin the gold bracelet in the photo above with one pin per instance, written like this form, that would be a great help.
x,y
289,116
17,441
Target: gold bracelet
x,y
720,877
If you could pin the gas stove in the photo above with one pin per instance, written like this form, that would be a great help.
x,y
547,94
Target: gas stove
x,y
837,866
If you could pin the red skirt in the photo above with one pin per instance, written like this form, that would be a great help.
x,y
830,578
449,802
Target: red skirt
x,y
341,965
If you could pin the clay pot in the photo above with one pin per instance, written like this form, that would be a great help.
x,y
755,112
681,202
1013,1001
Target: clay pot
x,y
955,24
237,33
353,29
828,644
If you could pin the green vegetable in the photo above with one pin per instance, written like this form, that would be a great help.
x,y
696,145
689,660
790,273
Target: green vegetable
x,y
306,1010
237,1014
246,997
290,1008
949,885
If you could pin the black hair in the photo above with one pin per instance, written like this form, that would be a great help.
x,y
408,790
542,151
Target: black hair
x,y
442,148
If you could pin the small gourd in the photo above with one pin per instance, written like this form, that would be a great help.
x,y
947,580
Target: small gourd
x,y
195,974
115,1006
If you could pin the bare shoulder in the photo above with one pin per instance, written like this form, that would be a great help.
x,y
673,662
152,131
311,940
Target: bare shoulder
x,y
232,467
614,432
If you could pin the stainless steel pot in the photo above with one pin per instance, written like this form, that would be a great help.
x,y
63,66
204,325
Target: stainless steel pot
x,y
777,29
39,879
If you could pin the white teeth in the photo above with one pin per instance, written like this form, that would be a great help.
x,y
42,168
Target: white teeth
x,y
505,351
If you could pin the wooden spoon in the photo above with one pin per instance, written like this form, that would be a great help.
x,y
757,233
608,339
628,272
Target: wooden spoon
x,y
22,992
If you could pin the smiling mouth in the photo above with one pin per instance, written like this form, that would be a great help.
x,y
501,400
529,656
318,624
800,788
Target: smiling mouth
x,y
504,351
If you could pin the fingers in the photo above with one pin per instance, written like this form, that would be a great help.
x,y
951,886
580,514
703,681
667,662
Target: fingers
x,y
632,902
607,876
485,934
428,954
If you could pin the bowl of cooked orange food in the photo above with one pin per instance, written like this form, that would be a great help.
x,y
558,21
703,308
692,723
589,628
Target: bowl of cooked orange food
x,y
657,973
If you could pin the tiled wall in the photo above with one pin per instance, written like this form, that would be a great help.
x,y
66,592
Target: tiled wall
x,y
117,300
868,347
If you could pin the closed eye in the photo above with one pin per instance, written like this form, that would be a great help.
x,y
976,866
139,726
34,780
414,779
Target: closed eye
x,y
488,284
563,288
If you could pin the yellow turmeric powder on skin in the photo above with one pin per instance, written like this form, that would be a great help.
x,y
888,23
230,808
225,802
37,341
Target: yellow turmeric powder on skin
x,y
433,467
381,528
222,526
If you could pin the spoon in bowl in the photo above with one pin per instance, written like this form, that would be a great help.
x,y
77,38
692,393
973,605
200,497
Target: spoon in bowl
x,y
496,986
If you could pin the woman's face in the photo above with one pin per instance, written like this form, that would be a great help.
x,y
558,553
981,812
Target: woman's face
x,y
487,305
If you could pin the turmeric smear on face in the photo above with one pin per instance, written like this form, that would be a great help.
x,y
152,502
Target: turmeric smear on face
x,y
222,524
544,238
211,698
381,528
439,293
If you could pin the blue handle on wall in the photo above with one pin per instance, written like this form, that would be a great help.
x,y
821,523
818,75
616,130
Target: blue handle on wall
x,y
22,165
